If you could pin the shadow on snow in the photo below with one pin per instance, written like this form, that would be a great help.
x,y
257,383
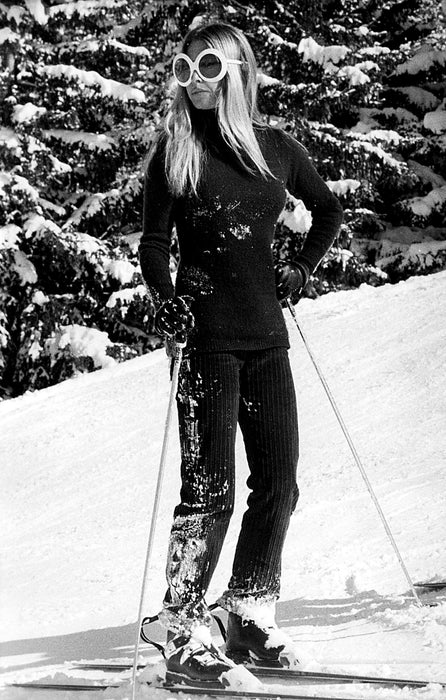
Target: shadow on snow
x,y
117,643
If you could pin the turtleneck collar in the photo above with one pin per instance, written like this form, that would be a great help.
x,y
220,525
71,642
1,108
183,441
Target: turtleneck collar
x,y
206,122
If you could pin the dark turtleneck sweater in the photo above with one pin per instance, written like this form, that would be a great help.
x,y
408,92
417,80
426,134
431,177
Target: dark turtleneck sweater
x,y
225,236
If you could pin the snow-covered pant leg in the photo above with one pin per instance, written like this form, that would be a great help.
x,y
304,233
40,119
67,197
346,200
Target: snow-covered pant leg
x,y
208,402
268,419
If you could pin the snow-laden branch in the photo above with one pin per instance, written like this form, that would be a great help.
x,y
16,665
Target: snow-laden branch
x,y
91,205
27,112
108,87
83,342
84,7
100,142
17,183
342,187
423,61
423,206
7,34
37,10
312,51
419,97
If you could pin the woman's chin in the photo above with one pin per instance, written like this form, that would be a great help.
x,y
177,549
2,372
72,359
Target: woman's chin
x,y
203,100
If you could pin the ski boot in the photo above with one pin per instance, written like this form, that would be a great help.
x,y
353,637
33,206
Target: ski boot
x,y
265,645
193,659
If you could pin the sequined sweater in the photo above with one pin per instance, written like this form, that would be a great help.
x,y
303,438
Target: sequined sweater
x,y
225,237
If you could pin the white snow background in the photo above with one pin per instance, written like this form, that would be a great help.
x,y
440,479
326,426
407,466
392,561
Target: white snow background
x,y
79,463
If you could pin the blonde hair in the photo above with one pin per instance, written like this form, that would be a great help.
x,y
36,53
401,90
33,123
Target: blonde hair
x,y
236,112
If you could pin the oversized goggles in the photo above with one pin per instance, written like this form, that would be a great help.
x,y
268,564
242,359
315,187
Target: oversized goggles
x,y
210,65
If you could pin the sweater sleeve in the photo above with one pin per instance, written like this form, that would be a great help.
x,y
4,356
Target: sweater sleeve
x,y
305,183
158,217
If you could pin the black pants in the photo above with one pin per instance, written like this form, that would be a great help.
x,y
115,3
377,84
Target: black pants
x,y
216,392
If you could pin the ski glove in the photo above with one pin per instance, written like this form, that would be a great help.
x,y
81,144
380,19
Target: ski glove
x,y
290,277
174,317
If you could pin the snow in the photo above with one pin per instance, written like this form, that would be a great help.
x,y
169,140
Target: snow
x,y
277,40
39,298
295,216
354,74
377,50
84,7
9,236
91,205
423,60
4,334
419,97
125,296
26,113
83,342
136,50
435,121
263,79
405,245
403,115
24,268
37,10
343,187
8,137
378,151
108,87
17,183
423,206
89,245
239,679
426,174
59,166
7,34
312,51
102,142
121,270
369,134
14,12
79,468
38,224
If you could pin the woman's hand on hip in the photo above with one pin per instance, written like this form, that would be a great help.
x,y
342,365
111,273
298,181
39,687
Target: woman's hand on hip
x,y
290,277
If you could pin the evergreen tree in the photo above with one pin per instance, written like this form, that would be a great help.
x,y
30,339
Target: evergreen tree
x,y
82,89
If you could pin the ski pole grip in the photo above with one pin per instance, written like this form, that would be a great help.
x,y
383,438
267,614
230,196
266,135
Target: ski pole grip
x,y
181,339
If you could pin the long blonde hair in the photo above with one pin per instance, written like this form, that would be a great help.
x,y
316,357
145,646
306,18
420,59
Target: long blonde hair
x,y
236,112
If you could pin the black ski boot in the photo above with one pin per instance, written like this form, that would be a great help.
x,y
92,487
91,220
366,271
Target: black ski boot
x,y
194,660
266,645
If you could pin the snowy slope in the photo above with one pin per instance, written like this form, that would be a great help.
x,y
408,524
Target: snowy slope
x,y
79,466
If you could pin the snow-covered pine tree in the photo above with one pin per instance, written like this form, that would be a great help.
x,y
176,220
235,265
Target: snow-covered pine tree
x,y
360,83
78,110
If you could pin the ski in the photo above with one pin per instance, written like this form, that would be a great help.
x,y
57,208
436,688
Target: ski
x,y
189,689
47,685
280,673
431,585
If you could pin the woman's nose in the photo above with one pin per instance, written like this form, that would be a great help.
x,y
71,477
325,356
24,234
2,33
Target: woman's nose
x,y
195,76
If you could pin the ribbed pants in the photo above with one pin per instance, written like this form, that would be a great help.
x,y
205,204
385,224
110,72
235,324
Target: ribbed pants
x,y
218,391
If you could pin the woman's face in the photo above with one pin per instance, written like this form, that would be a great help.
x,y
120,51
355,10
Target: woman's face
x,y
202,94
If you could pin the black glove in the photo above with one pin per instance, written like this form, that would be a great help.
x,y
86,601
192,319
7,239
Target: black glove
x,y
290,277
174,317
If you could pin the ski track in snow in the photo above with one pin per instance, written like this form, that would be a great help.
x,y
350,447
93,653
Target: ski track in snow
x,y
79,468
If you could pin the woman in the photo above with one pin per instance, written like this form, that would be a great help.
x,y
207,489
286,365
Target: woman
x,y
220,176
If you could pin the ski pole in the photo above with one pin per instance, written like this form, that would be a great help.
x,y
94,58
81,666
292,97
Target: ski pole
x,y
178,354
354,453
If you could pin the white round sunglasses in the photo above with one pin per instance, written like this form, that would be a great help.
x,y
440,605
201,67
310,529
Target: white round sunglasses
x,y
210,64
